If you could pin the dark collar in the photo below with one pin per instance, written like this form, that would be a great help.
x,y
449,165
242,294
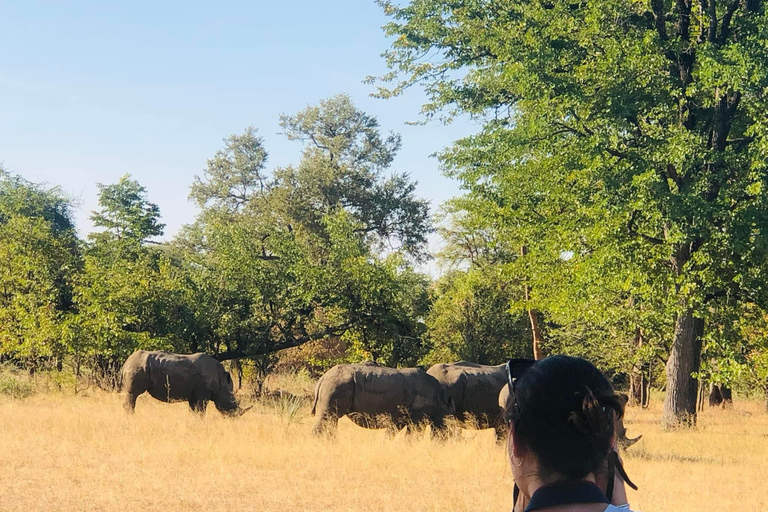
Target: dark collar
x,y
562,493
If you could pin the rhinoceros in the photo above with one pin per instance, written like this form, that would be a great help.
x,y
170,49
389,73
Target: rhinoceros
x,y
367,393
474,389
196,378
620,429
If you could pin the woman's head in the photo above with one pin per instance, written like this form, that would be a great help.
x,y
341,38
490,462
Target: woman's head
x,y
562,412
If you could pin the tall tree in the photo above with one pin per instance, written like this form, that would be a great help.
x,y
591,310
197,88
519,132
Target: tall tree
x,y
343,163
630,134
127,295
472,316
292,256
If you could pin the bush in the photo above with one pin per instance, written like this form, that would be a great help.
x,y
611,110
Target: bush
x,y
14,386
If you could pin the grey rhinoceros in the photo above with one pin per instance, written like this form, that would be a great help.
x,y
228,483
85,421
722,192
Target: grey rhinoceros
x,y
619,428
474,389
196,379
368,392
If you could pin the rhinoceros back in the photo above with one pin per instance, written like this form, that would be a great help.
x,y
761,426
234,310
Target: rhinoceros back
x,y
473,387
380,390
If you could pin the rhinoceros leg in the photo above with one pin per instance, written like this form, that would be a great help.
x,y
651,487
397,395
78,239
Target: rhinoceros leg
x,y
198,402
134,384
326,423
130,402
331,404
198,406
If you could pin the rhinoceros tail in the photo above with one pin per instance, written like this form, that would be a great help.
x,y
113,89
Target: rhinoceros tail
x,y
120,381
317,395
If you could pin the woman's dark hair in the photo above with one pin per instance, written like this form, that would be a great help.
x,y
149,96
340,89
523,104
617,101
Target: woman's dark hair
x,y
562,410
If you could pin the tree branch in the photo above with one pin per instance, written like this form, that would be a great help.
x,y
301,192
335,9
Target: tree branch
x,y
712,36
726,26
659,18
295,342
672,173
631,228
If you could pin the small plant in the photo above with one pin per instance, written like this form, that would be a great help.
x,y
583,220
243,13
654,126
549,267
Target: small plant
x,y
289,406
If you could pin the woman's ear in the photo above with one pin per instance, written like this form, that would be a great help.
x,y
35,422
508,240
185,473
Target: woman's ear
x,y
516,448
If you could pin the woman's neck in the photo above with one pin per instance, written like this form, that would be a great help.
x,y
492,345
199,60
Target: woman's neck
x,y
533,482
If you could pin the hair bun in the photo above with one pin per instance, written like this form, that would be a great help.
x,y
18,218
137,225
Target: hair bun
x,y
592,419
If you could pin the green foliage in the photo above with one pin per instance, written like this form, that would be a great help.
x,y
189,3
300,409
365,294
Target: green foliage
x,y
471,318
623,143
38,255
128,296
126,212
342,165
286,258
234,174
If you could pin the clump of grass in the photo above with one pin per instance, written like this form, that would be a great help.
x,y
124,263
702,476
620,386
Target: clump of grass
x,y
14,385
287,406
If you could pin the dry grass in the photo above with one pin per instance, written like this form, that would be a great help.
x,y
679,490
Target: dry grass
x,y
60,452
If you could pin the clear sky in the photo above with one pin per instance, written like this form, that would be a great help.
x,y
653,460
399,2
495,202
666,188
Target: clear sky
x,y
91,90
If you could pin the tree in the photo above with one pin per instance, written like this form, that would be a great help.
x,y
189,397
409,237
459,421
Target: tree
x,y
472,315
128,295
471,318
630,135
125,211
342,165
38,258
288,257
234,175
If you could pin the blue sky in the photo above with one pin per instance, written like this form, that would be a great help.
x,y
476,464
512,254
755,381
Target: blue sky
x,y
90,91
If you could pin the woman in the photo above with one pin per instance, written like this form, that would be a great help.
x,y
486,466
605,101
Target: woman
x,y
561,440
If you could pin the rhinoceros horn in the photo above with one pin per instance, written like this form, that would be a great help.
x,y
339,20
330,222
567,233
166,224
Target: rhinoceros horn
x,y
627,442
241,411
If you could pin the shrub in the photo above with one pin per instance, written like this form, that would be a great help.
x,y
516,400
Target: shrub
x,y
14,385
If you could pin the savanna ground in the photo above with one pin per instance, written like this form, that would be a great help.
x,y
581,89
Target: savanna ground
x,y
82,453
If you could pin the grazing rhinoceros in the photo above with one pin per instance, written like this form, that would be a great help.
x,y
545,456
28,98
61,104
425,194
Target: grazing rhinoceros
x,y
475,391
621,431
367,392
167,377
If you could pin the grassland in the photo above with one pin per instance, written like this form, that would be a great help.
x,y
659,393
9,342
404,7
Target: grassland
x,y
82,453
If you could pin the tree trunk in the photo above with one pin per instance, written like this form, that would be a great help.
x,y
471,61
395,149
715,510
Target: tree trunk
x,y
639,382
538,353
715,396
646,395
727,395
635,388
684,360
765,393
720,396
533,316
639,389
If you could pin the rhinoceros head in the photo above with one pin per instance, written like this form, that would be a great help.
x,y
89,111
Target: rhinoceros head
x,y
446,404
225,401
